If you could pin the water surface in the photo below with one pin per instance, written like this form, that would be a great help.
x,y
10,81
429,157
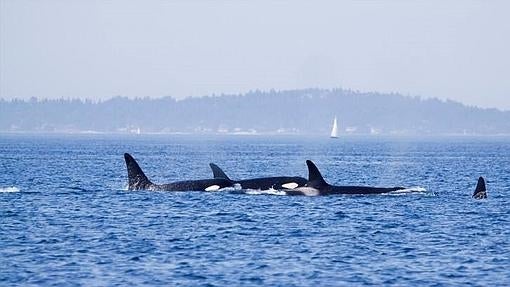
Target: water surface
x,y
66,218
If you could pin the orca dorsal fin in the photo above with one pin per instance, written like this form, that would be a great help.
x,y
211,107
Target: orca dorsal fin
x,y
315,178
481,190
218,172
136,178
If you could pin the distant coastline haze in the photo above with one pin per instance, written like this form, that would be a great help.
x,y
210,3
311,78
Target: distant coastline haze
x,y
294,112
99,50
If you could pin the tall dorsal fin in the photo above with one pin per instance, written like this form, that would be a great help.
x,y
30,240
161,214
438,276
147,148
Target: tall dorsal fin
x,y
481,190
218,172
136,177
315,178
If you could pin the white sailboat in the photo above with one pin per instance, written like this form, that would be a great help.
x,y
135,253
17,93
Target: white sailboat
x,y
334,130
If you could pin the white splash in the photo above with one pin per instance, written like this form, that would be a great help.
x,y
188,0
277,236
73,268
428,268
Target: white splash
x,y
235,187
9,189
270,191
414,189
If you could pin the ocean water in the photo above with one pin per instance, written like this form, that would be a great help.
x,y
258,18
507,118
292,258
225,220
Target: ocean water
x,y
66,217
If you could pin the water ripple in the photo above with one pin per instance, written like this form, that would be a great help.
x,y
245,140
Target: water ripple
x,y
78,226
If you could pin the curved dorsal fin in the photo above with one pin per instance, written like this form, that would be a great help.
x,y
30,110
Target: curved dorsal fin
x,y
218,172
315,178
481,190
136,177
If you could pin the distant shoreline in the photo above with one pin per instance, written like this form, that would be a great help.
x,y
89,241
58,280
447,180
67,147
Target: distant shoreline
x,y
292,112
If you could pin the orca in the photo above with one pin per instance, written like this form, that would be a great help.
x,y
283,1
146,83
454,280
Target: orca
x,y
262,183
480,190
316,185
138,181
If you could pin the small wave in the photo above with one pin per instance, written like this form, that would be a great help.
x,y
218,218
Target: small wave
x,y
9,189
235,187
267,191
76,188
414,189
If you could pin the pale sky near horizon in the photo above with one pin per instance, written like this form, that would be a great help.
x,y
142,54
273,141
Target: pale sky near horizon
x,y
458,50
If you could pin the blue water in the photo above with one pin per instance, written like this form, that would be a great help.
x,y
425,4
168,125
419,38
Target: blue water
x,y
67,219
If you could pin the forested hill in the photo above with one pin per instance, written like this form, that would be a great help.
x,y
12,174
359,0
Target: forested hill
x,y
308,111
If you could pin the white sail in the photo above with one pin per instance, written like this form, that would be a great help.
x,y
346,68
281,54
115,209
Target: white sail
x,y
334,130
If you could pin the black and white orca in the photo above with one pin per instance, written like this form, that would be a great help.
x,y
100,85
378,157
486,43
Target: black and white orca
x,y
262,183
480,190
316,185
138,181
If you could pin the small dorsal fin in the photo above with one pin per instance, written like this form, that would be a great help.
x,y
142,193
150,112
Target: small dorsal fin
x,y
218,172
315,178
481,190
136,177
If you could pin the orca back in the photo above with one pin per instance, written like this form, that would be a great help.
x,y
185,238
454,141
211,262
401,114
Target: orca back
x,y
214,184
275,182
261,183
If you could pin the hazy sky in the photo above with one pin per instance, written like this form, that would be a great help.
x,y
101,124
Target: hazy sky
x,y
99,49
